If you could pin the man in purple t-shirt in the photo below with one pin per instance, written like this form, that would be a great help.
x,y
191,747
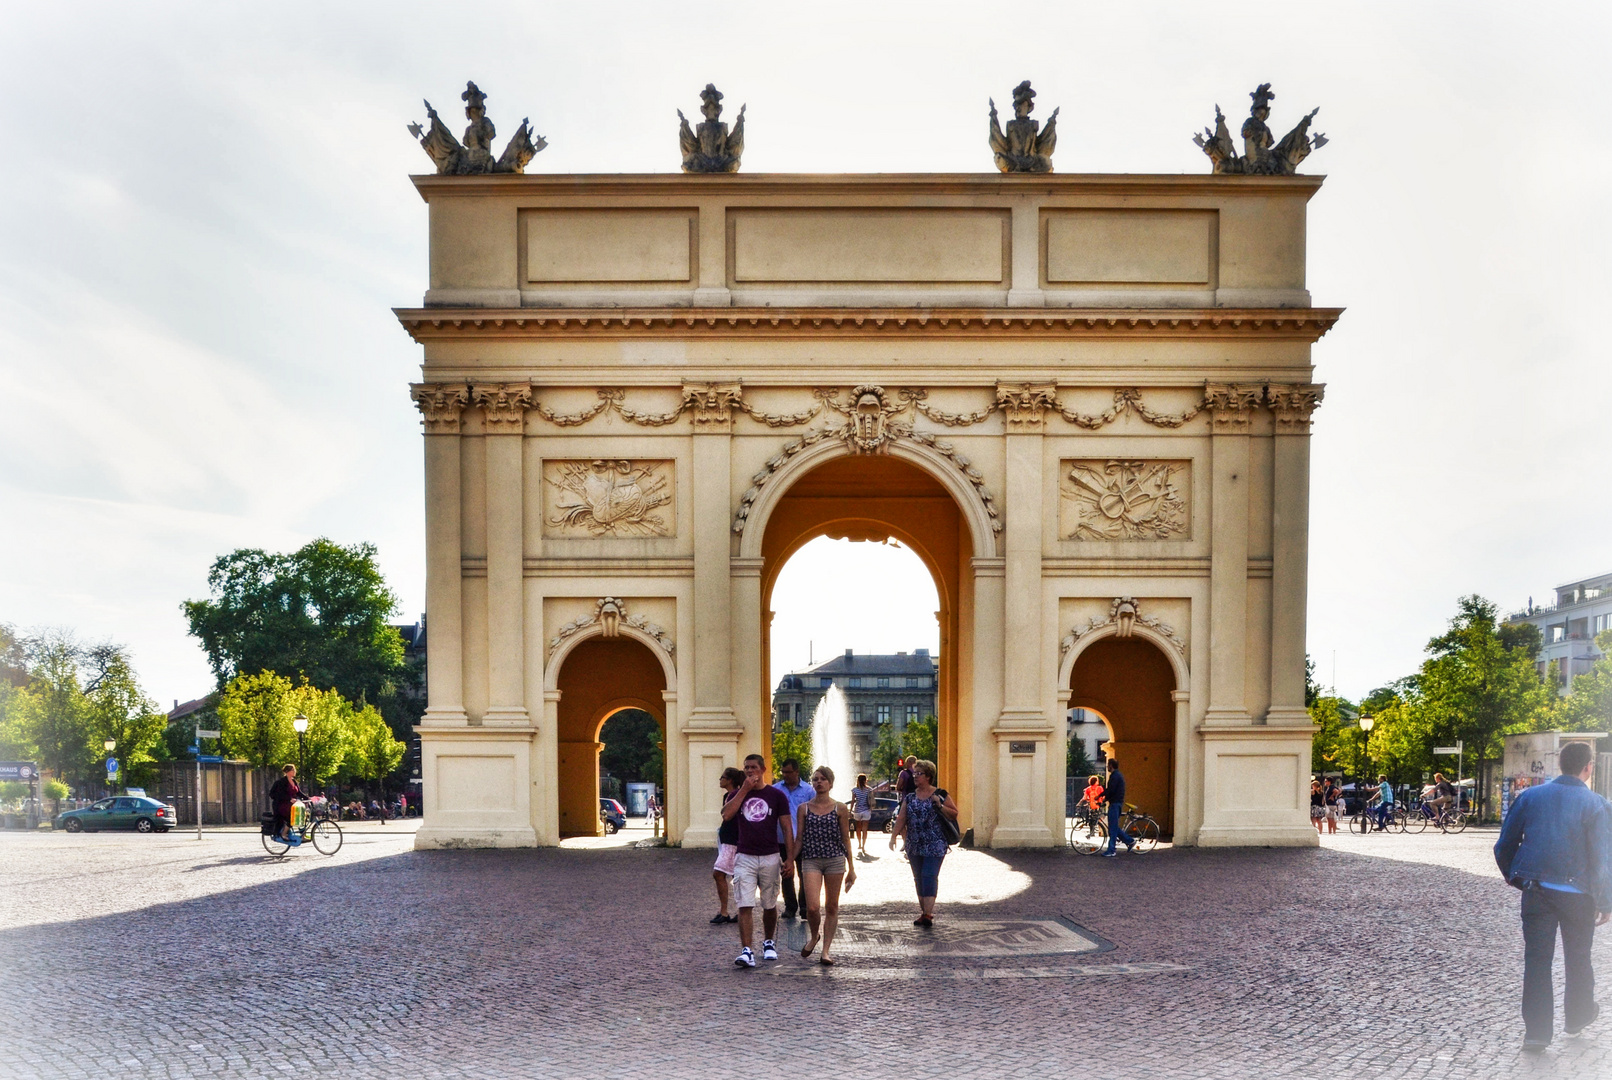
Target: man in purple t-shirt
x,y
761,810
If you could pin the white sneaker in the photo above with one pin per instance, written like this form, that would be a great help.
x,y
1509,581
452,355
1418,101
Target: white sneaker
x,y
769,951
746,958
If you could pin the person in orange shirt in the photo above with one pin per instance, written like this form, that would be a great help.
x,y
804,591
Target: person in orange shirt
x,y
1094,794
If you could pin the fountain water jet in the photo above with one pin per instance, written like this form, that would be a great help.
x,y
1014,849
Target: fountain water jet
x,y
831,740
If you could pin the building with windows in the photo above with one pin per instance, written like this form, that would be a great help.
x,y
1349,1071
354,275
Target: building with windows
x,y
1582,610
879,689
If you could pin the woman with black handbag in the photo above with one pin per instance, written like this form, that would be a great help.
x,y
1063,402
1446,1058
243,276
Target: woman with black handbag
x,y
928,819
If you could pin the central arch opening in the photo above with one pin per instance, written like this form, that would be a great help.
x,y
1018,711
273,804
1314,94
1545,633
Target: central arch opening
x,y
1126,683
601,679
883,498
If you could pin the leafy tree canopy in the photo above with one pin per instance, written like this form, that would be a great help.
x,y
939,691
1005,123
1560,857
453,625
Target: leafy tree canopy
x,y
788,743
918,740
319,613
1589,706
886,756
632,748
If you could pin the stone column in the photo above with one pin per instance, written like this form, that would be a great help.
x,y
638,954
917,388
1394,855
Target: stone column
x,y
1231,412
1022,732
441,405
985,695
713,586
504,408
1290,531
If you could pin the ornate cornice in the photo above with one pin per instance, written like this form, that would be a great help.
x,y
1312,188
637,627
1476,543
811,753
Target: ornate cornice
x,y
440,405
1291,324
1231,405
1293,405
503,406
610,614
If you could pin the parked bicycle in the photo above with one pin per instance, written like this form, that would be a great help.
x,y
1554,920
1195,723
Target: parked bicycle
x,y
313,820
1088,829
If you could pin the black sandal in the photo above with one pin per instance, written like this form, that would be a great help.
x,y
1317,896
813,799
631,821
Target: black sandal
x,y
718,919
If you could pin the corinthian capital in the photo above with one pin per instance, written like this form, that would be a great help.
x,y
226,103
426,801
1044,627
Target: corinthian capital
x,y
440,404
1231,405
1024,404
713,403
1293,405
503,406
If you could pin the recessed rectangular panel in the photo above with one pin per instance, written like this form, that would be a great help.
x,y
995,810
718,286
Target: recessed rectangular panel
x,y
609,245
1142,247
609,497
1118,499
475,783
1257,782
873,245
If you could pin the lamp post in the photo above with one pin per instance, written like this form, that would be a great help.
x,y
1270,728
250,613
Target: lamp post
x,y
1366,724
111,745
301,725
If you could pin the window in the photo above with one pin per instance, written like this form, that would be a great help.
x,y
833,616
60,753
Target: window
x,y
884,714
912,714
1603,623
916,680
884,681
1554,634
797,714
827,682
855,681
856,714
856,753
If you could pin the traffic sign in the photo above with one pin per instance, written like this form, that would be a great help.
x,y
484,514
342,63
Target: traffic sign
x,y
211,759
1446,749
111,765
203,733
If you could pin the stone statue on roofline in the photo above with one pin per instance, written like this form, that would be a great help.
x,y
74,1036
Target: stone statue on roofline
x,y
1259,157
475,155
711,148
1021,148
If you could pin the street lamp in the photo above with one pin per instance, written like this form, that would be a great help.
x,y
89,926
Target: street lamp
x,y
1366,724
301,725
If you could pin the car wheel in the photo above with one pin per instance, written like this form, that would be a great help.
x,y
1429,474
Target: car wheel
x,y
143,825
610,828
72,824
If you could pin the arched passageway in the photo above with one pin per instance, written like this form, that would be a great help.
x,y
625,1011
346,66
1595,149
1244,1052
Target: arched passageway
x,y
878,497
1128,681
599,678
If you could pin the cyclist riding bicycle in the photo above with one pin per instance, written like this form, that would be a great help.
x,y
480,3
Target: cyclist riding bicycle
x,y
282,794
1384,802
1444,794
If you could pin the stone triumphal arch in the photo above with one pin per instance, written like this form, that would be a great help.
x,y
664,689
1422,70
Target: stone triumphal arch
x,y
1083,401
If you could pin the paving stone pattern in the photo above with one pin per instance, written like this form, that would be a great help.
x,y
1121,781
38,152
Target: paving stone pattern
x,y
158,956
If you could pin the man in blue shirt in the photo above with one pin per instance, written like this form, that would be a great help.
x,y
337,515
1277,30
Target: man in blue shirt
x,y
1556,846
798,792
1385,802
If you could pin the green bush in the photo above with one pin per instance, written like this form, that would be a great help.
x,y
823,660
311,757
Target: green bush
x,y
54,790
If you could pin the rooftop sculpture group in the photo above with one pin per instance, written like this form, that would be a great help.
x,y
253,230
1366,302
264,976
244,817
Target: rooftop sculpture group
x,y
1259,157
1023,146
475,155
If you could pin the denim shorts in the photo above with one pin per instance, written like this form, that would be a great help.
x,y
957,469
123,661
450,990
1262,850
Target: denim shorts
x,y
833,865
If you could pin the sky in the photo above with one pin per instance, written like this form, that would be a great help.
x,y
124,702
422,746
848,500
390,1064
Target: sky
x,y
207,217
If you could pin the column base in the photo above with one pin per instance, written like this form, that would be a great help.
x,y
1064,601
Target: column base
x,y
704,837
1289,716
1300,834
1034,836
449,838
445,716
506,716
713,718
1220,716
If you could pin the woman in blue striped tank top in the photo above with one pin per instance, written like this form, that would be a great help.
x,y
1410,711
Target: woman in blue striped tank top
x,y
823,846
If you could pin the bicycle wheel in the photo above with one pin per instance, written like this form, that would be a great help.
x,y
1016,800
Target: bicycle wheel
x,y
1360,823
327,838
274,845
1415,822
1087,836
1145,831
1455,822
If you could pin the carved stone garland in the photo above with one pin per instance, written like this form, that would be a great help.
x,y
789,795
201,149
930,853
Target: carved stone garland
x,y
609,613
1124,615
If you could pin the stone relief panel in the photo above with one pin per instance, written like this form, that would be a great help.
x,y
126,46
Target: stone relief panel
x,y
608,498
1115,499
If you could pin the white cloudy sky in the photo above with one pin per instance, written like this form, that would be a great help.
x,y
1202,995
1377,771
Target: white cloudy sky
x,y
205,217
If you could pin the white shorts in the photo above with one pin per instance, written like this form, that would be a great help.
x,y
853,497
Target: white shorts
x,y
753,874
725,854
861,815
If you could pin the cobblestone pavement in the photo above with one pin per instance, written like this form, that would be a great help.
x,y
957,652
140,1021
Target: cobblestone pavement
x,y
160,956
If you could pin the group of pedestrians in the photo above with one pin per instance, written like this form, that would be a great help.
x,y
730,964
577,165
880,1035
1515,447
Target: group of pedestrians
x,y
792,840
1326,804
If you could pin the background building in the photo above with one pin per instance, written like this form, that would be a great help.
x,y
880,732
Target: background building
x,y
879,688
1582,610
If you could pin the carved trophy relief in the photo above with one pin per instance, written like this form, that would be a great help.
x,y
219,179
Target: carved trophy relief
x,y
608,498
1113,499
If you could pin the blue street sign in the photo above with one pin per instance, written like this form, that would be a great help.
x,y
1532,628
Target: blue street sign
x,y
111,765
210,759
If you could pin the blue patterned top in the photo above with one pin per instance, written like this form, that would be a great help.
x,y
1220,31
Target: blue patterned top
x,y
923,827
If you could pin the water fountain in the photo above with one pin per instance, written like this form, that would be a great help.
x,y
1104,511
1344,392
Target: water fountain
x,y
831,741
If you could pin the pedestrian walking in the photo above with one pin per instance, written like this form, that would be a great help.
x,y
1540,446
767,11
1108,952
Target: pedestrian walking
x,y
1114,796
918,821
727,848
1556,846
797,791
761,811
861,812
823,848
1334,800
1318,805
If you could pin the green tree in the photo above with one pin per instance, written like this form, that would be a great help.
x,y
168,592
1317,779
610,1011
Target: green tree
x,y
254,715
59,713
1589,706
918,740
17,706
320,613
886,756
632,748
116,708
324,747
1481,682
55,791
1338,744
375,751
1076,761
788,743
